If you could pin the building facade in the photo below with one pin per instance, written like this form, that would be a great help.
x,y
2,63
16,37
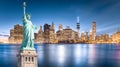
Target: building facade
x,y
16,34
93,30
116,37
40,36
67,36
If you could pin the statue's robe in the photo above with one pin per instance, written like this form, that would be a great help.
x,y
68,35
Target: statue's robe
x,y
28,34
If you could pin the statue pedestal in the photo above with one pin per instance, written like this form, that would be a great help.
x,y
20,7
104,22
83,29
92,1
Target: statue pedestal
x,y
27,58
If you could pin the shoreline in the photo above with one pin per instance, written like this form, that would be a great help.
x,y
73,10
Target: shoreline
x,y
61,43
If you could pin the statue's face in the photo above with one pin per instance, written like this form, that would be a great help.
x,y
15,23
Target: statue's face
x,y
28,17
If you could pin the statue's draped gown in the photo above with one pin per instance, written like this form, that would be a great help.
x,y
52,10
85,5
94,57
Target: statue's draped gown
x,y
28,31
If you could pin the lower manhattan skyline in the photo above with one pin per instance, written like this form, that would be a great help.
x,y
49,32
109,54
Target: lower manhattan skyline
x,y
104,13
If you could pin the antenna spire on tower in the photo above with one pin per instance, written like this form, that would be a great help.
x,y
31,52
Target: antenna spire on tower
x,y
78,19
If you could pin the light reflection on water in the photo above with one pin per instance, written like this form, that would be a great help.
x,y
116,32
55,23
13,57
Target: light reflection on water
x,y
61,54
77,55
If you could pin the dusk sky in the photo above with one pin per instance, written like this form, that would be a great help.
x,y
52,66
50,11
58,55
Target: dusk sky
x,y
106,13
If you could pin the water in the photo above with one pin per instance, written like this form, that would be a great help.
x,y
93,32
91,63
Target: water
x,y
69,55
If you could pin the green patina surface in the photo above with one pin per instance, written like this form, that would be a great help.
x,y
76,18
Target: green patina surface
x,y
28,33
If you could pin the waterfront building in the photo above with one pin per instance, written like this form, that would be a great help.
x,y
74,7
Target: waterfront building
x,y
60,27
116,37
91,38
46,33
49,33
103,38
86,37
11,38
16,34
35,37
67,35
40,36
82,38
59,33
52,34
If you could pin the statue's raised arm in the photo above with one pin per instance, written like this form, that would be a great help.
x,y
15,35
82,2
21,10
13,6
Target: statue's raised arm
x,y
24,10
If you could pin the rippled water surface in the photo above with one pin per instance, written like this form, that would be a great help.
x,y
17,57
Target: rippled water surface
x,y
66,55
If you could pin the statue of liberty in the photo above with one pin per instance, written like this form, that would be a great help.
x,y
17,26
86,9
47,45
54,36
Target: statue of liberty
x,y
28,31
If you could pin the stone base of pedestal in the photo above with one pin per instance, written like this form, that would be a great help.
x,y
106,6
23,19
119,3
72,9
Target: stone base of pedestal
x,y
27,58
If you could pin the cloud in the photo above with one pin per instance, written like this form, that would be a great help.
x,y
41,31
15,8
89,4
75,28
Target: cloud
x,y
4,35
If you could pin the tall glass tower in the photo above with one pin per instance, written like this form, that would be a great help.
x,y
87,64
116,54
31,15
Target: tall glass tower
x,y
93,30
78,26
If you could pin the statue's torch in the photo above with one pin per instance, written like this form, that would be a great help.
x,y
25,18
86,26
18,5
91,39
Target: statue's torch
x,y
24,7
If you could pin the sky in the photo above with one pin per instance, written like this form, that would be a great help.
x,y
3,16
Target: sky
x,y
106,14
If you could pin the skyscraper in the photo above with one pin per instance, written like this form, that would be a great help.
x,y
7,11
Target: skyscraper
x,y
52,33
93,30
40,36
16,34
46,33
60,27
78,26
53,26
